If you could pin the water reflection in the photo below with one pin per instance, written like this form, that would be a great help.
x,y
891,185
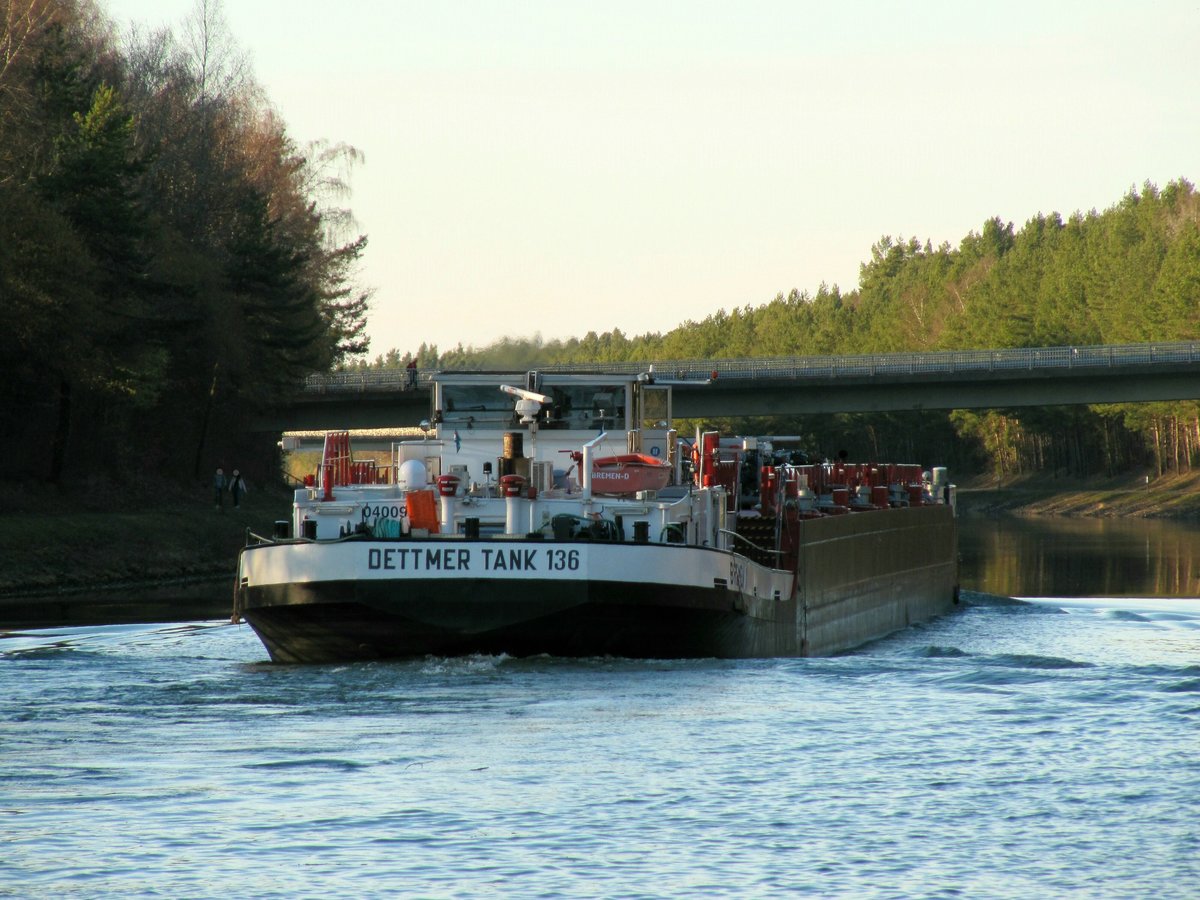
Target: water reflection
x,y
1079,557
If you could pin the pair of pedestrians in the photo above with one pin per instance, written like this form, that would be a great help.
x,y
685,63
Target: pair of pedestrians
x,y
235,484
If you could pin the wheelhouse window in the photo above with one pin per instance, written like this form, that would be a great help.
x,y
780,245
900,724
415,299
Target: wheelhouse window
x,y
476,406
585,407
580,407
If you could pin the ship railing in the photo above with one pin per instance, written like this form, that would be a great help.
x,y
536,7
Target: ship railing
x,y
745,540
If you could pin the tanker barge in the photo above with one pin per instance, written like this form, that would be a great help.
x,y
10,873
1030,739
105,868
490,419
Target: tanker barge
x,y
553,513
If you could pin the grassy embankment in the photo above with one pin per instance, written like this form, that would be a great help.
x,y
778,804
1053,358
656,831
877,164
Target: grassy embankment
x,y
1170,497
53,542
63,542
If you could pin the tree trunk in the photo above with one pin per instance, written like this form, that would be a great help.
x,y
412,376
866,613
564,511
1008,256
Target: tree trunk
x,y
1158,450
208,405
62,433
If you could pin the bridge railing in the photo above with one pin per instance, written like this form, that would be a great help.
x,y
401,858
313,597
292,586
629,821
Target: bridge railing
x,y
946,362
338,382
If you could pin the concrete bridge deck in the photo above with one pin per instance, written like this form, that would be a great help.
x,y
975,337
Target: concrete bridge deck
x,y
958,379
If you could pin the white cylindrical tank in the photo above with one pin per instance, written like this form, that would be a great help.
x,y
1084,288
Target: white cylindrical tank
x,y
805,499
939,484
448,486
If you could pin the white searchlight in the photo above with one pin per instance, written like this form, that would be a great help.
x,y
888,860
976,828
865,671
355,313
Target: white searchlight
x,y
529,403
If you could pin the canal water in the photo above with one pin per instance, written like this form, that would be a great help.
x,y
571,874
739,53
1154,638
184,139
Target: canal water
x,y
1079,557
1038,749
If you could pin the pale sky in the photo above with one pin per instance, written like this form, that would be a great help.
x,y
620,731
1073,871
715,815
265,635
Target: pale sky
x,y
558,167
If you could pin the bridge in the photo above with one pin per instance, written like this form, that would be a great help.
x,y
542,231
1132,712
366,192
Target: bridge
x,y
798,385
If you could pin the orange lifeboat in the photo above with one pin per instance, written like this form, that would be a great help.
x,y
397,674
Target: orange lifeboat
x,y
629,473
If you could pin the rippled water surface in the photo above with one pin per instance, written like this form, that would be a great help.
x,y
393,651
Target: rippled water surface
x,y
1043,750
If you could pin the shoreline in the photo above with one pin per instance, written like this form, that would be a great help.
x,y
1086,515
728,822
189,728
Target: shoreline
x,y
185,599
176,559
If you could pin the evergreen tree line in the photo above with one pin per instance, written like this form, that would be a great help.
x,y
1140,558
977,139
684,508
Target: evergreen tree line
x,y
1128,274
171,261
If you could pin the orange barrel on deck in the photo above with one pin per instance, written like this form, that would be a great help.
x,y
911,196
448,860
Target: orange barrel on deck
x,y
709,457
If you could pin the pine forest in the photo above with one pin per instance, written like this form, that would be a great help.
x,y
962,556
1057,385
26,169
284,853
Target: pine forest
x,y
172,263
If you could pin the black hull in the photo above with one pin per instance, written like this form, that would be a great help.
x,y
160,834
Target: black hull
x,y
861,577
345,621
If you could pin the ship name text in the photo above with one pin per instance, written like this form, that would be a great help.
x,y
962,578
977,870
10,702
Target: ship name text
x,y
472,559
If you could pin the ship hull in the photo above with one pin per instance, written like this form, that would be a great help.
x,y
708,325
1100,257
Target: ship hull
x,y
607,619
865,575
858,578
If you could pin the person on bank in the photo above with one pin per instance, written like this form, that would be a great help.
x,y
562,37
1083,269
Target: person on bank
x,y
219,488
237,487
